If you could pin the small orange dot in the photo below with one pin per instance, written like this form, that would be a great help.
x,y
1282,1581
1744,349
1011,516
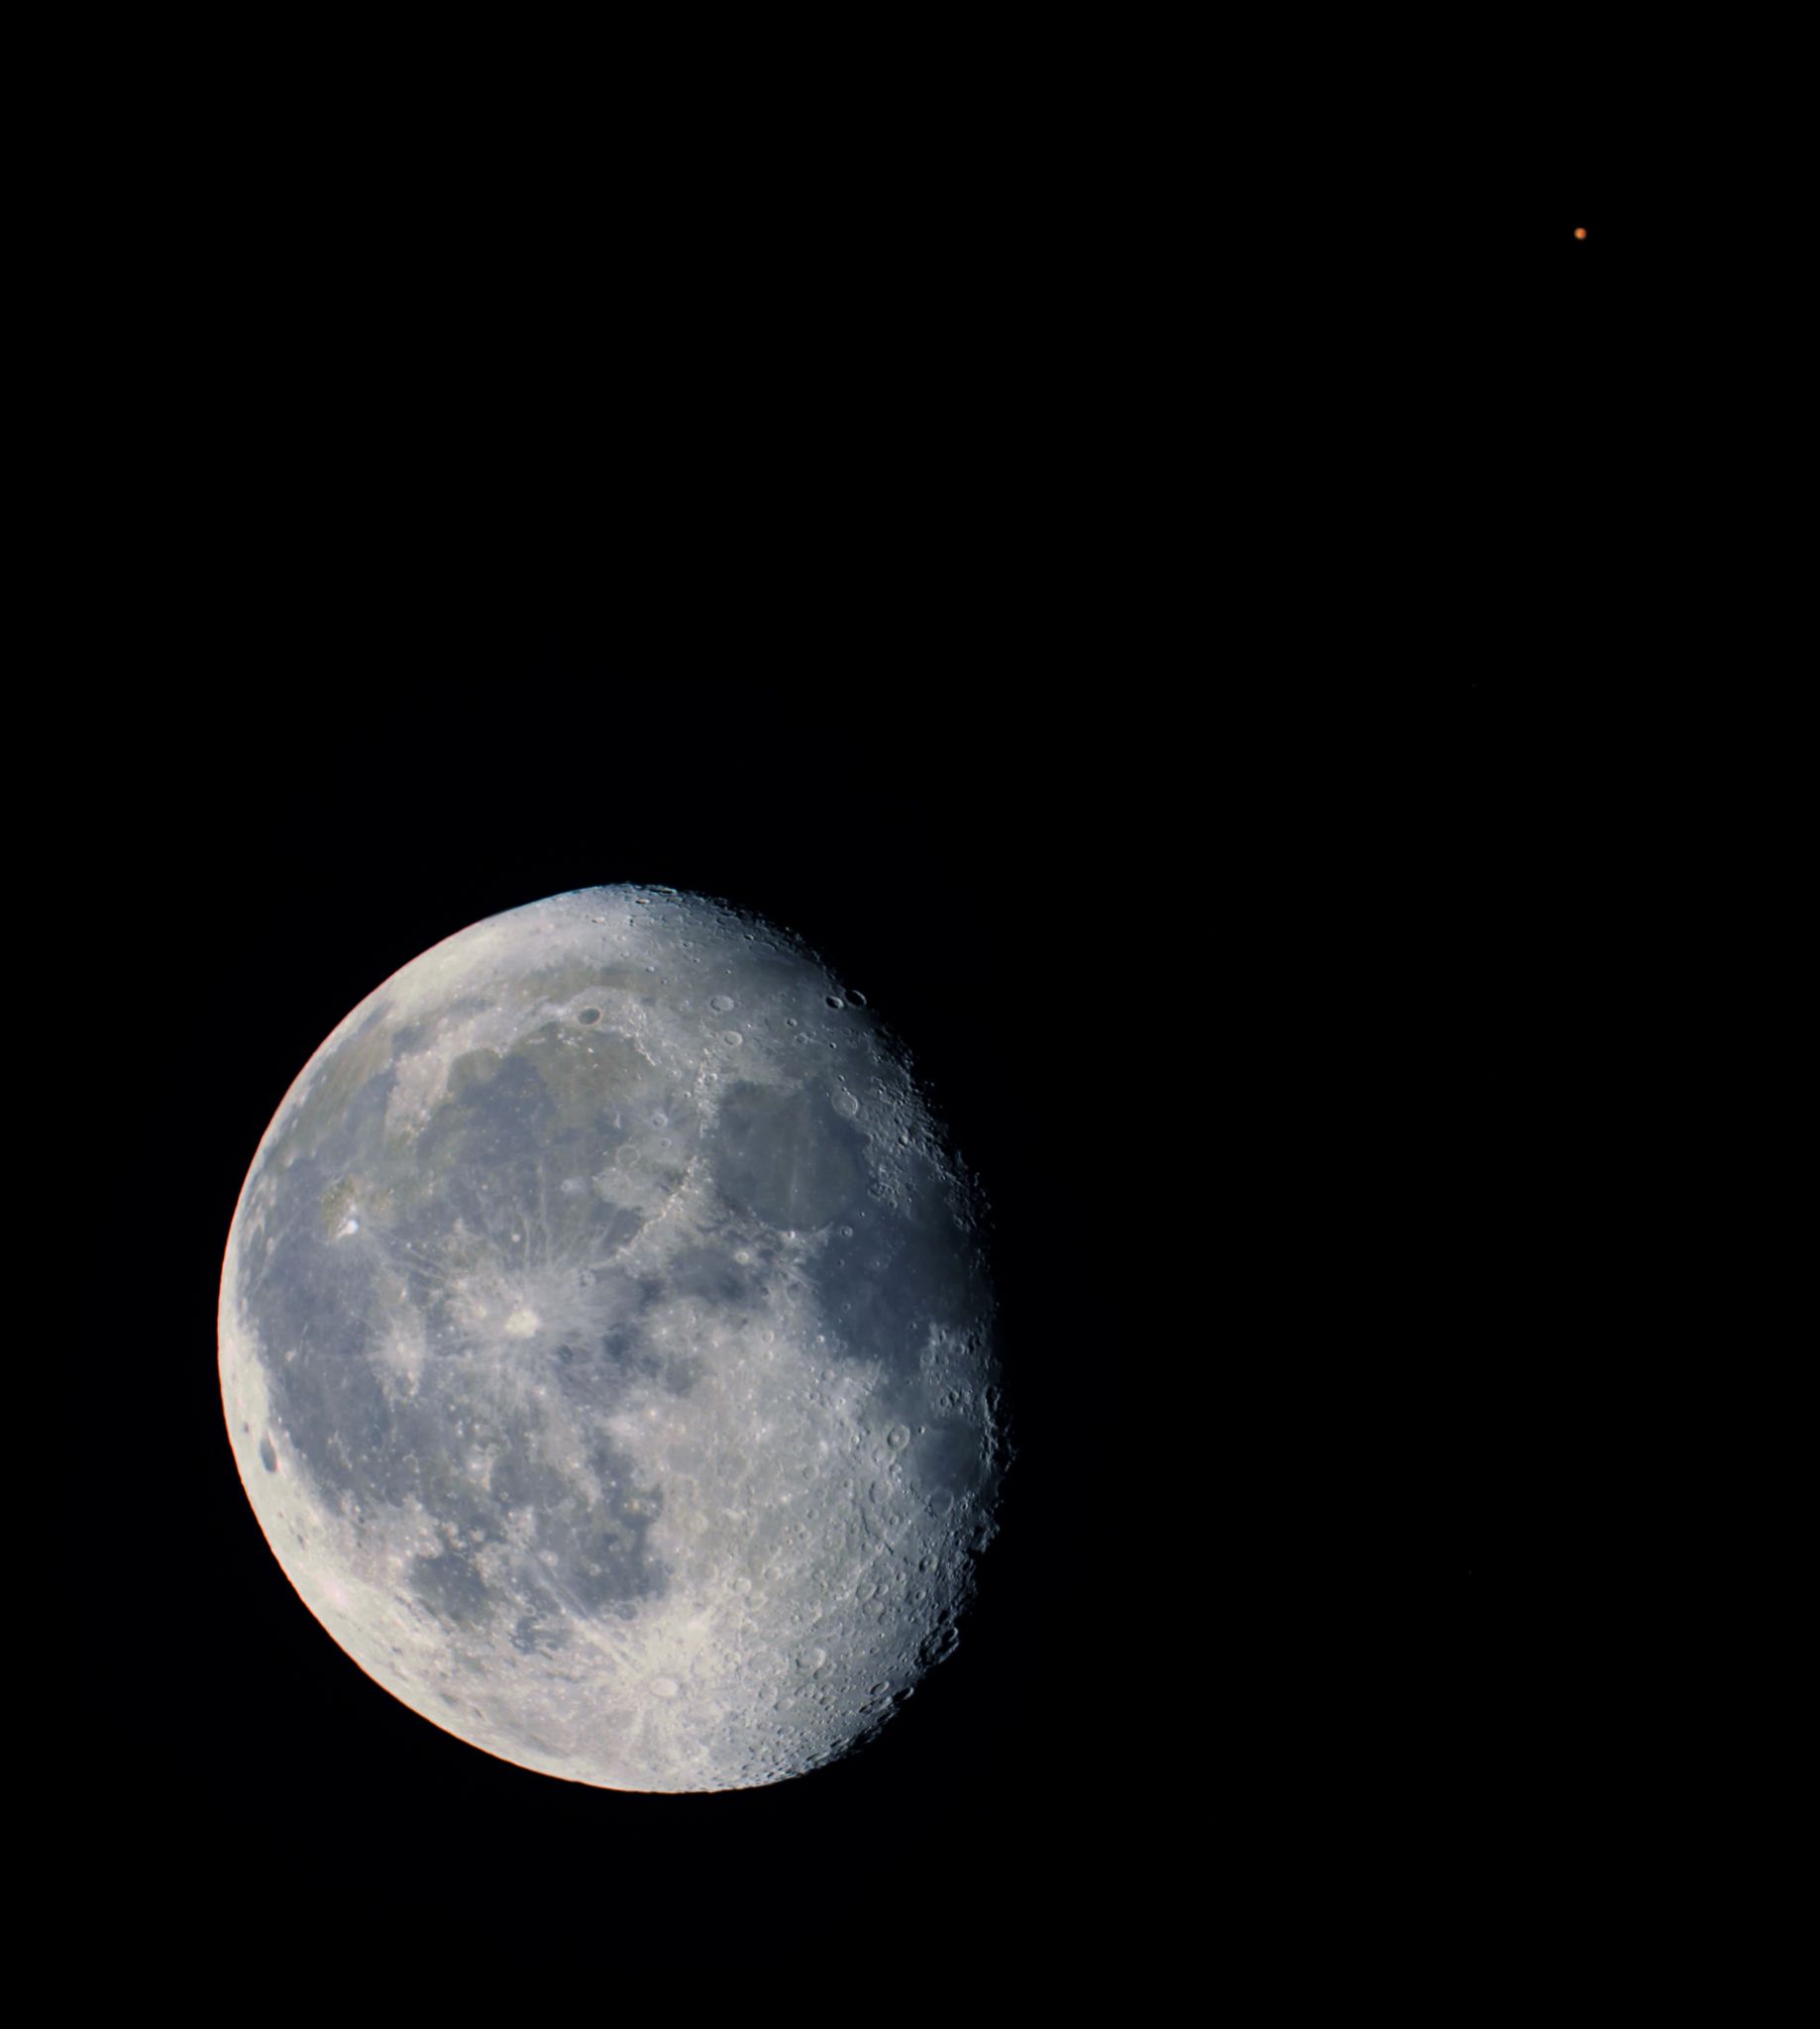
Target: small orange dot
x,y
1579,232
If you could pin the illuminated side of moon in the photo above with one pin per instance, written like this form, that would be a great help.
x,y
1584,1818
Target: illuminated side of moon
x,y
606,1348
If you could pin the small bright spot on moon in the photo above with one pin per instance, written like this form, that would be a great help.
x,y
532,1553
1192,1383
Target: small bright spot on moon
x,y
522,1324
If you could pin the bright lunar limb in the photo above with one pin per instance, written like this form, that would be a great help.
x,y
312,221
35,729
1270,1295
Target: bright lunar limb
x,y
606,1348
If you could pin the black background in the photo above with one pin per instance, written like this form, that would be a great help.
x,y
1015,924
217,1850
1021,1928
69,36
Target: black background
x,y
1091,592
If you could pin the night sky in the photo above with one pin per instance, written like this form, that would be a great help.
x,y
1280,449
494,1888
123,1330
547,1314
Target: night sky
x,y
1085,588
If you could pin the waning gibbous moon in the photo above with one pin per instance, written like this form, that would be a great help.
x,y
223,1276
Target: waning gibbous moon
x,y
606,1348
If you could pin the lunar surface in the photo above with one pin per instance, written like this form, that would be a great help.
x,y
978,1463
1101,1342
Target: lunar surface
x,y
606,1348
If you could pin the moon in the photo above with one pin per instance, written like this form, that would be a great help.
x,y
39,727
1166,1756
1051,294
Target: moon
x,y
605,1346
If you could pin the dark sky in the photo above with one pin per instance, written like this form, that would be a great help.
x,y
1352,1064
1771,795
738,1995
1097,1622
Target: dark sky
x,y
1097,628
